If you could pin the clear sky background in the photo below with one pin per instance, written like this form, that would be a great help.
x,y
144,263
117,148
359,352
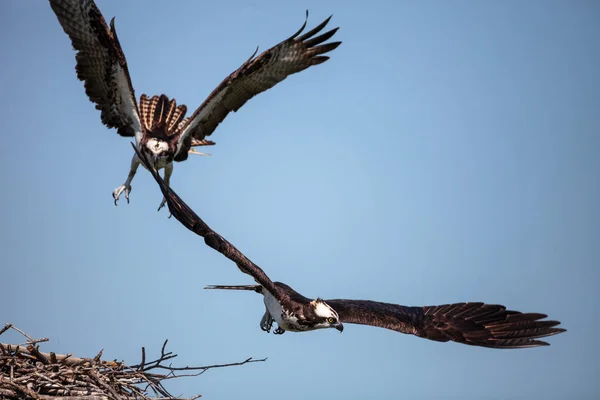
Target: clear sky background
x,y
448,151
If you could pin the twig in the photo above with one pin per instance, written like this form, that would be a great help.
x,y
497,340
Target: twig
x,y
6,327
30,340
143,363
247,361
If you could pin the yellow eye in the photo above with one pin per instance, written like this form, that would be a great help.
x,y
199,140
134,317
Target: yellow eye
x,y
331,320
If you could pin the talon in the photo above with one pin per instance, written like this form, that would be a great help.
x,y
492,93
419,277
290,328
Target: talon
x,y
162,204
118,191
266,322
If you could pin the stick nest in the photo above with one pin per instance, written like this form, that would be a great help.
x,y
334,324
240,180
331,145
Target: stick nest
x,y
27,373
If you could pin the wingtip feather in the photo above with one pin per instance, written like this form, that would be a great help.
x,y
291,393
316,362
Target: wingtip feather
x,y
322,49
313,31
318,60
321,38
299,31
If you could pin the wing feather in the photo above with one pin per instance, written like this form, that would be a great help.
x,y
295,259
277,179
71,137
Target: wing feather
x,y
101,63
476,324
188,218
255,76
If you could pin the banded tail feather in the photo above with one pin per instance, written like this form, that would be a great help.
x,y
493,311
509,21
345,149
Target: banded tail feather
x,y
203,142
159,112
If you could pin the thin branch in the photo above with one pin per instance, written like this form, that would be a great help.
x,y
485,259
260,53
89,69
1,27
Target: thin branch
x,y
247,361
143,363
6,327
30,340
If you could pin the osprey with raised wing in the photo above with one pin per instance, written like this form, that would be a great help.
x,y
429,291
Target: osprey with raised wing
x,y
477,324
161,130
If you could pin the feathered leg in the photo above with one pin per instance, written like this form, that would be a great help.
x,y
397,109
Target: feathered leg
x,y
126,187
167,179
266,323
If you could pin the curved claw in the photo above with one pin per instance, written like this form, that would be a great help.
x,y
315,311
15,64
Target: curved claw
x,y
119,190
279,331
162,203
266,322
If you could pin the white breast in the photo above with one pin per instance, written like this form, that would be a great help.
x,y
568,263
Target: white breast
x,y
283,319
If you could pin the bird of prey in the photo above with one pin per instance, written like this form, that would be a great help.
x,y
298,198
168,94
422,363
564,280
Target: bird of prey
x,y
477,324
161,130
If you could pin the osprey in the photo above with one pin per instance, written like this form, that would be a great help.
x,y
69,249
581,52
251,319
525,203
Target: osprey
x,y
162,131
477,324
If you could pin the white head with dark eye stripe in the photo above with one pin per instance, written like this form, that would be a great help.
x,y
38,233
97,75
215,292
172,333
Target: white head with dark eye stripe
x,y
325,316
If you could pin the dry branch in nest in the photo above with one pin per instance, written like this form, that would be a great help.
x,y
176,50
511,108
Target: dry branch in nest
x,y
27,373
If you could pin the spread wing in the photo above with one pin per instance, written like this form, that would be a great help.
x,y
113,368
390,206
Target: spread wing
x,y
477,324
101,63
188,218
255,76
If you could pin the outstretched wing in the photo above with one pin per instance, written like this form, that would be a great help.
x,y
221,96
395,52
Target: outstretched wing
x,y
101,63
477,324
255,76
188,218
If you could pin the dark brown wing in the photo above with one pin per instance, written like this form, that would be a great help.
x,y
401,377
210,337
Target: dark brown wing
x,y
188,218
255,76
101,63
477,324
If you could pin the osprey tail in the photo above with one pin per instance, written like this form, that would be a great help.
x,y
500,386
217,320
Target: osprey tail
x,y
256,288
159,112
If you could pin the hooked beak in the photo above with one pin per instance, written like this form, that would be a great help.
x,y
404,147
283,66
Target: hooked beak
x,y
340,327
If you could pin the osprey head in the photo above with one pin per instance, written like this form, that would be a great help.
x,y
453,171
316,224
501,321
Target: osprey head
x,y
157,151
325,316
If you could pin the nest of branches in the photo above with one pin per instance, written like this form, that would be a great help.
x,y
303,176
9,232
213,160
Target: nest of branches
x,y
28,373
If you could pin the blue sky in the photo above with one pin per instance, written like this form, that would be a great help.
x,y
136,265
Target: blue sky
x,y
448,151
